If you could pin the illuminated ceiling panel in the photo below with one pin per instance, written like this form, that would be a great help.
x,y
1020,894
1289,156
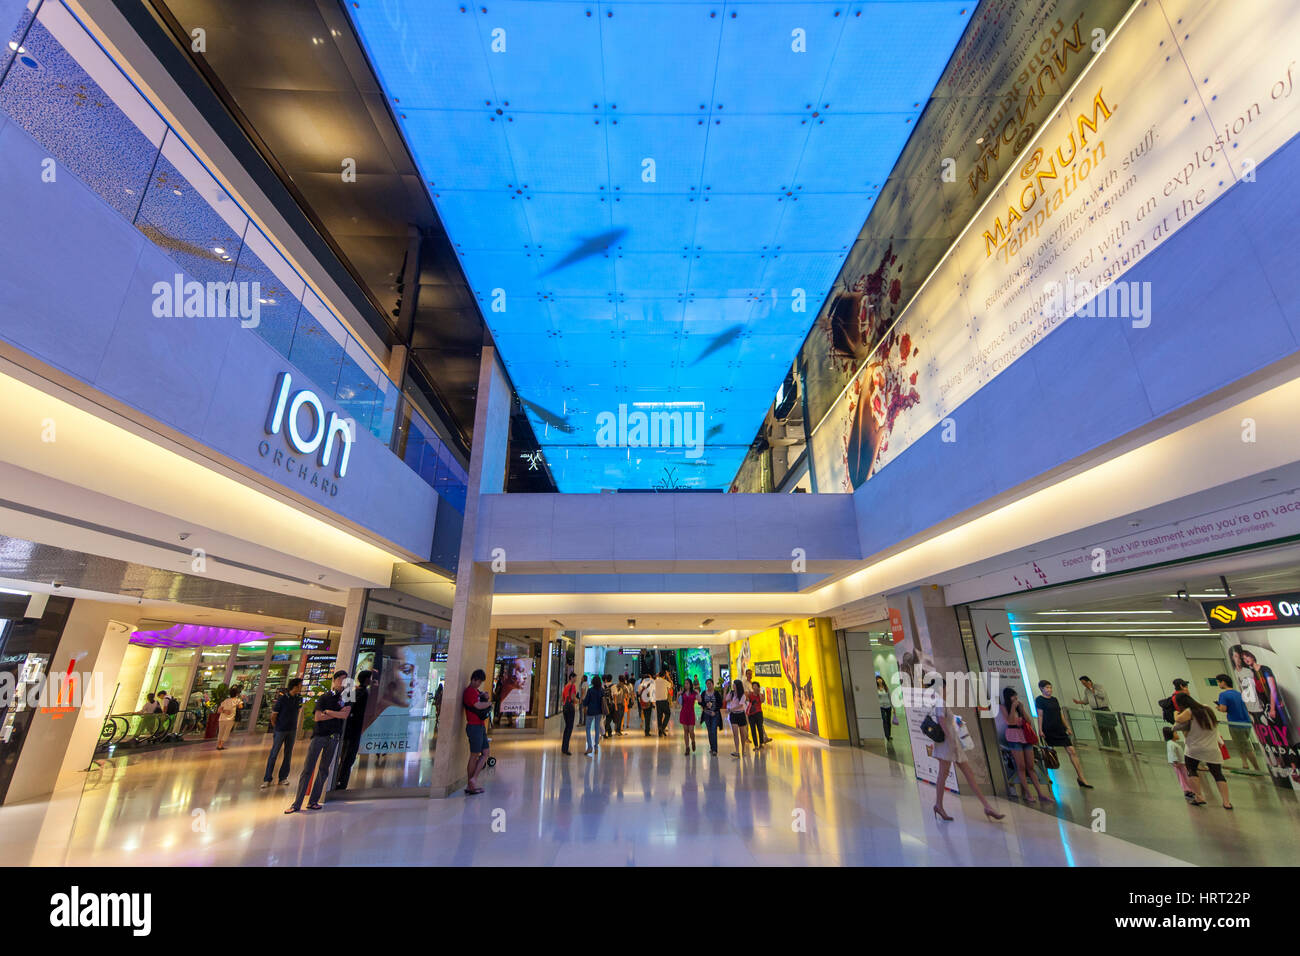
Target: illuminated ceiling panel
x,y
640,192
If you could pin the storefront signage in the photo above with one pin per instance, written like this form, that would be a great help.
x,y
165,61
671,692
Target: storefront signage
x,y
1235,614
325,433
314,643
767,668
1252,522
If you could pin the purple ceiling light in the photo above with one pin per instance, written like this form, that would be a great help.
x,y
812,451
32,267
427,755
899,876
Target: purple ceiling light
x,y
196,635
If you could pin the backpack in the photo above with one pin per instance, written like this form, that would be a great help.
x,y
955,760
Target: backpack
x,y
173,705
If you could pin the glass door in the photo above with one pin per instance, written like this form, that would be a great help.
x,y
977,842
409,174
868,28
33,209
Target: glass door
x,y
282,666
248,679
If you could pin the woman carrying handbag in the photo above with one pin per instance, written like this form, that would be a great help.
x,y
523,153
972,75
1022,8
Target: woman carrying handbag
x,y
941,726
1020,741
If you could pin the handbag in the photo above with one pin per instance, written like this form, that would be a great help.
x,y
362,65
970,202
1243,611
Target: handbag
x,y
1223,749
930,727
1048,757
1031,736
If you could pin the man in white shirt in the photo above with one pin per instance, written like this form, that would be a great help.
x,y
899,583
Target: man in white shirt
x,y
662,704
646,697
1096,700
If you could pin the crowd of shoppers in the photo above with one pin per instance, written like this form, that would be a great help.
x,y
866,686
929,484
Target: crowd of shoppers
x,y
607,705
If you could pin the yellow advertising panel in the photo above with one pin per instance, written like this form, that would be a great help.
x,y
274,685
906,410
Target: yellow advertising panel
x,y
797,666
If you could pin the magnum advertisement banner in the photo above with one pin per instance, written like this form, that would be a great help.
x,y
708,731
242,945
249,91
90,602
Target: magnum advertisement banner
x,y
797,666
1010,70
1185,101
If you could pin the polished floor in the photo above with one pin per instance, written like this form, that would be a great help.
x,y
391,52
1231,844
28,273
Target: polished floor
x,y
639,802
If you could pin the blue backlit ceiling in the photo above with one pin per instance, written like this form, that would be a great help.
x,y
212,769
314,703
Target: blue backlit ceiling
x,y
643,195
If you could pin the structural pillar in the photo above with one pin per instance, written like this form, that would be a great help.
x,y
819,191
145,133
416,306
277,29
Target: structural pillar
x,y
471,617
83,674
354,617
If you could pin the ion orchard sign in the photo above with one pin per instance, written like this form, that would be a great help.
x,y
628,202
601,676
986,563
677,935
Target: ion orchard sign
x,y
320,438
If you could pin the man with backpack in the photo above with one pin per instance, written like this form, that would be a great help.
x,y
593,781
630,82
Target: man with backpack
x,y
1167,705
611,703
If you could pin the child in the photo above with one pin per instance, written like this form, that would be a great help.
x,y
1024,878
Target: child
x,y
1174,753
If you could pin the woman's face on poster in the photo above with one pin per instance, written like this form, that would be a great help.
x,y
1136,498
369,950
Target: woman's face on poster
x,y
399,679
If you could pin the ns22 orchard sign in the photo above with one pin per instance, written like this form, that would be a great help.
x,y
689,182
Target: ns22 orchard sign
x,y
325,433
1235,614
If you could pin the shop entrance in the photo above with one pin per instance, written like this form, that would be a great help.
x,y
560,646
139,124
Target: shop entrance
x,y
182,660
1131,636
881,720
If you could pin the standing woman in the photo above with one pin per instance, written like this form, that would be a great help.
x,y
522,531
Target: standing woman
x,y
594,709
736,705
949,751
886,707
1016,716
569,698
754,714
711,713
1054,728
227,711
687,715
1200,725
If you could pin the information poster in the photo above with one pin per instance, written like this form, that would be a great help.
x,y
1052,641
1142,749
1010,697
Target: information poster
x,y
1266,663
395,706
916,668
797,666
514,687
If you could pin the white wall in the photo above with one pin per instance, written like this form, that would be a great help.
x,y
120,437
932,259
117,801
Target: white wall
x,y
1135,671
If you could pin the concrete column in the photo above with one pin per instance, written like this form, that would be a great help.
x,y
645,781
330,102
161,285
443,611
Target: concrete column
x,y
471,617
61,740
354,619
933,643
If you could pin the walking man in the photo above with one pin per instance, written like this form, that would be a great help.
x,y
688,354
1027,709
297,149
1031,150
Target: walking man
x,y
1239,723
663,703
646,695
329,717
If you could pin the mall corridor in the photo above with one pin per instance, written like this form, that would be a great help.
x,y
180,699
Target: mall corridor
x,y
409,384
640,802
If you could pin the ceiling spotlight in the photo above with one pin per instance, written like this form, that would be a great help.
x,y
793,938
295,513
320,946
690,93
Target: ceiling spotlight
x,y
184,535
631,622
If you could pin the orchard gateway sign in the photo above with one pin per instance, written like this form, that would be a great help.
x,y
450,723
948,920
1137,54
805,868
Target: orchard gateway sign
x,y
325,438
